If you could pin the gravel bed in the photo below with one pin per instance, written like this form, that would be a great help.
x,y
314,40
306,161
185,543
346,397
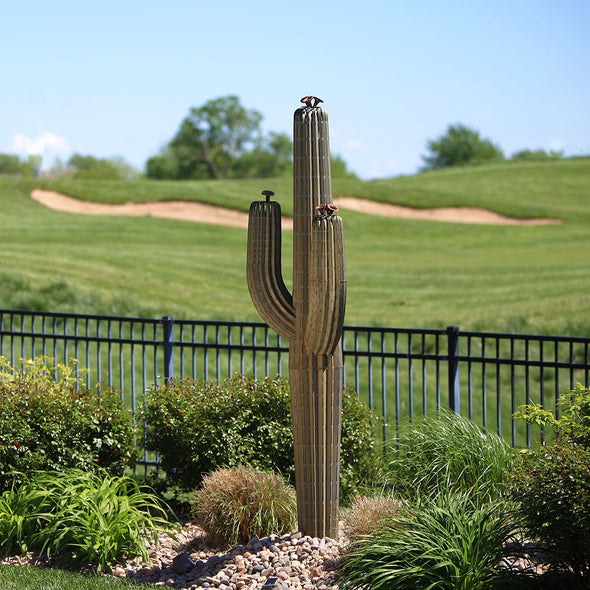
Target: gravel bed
x,y
292,561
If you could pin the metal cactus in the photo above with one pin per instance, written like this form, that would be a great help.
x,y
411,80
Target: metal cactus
x,y
311,319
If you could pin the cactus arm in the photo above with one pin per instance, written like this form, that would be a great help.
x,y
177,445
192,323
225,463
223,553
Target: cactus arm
x,y
267,289
327,286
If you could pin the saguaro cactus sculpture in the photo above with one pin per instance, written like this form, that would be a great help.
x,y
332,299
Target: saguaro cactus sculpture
x,y
311,319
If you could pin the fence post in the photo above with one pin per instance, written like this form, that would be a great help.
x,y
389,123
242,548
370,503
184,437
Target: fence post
x,y
168,322
454,390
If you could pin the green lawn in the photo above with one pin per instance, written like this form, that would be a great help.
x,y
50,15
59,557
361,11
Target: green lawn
x,y
400,272
35,578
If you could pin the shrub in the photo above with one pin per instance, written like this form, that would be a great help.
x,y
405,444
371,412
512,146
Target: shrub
x,y
234,505
446,543
552,487
197,427
50,420
449,452
367,514
361,457
79,519
574,423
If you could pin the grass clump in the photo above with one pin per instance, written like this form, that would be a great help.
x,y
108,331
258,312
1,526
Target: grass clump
x,y
449,521
368,514
79,519
234,505
448,542
449,452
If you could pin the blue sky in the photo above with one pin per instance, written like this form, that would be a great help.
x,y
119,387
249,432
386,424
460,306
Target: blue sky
x,y
115,78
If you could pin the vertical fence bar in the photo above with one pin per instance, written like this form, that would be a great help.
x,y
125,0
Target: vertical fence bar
x,y
556,360
527,389
498,392
168,322
397,387
437,355
513,391
424,380
370,368
469,379
356,364
254,354
383,389
453,359
484,384
410,378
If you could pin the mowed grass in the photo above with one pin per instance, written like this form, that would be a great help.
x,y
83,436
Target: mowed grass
x,y
401,273
37,578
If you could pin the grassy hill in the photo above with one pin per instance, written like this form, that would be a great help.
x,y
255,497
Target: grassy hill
x,y
400,272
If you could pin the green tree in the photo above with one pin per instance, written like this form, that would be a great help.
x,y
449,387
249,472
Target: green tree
x,y
537,155
101,168
271,158
164,166
12,164
460,145
340,167
222,139
213,137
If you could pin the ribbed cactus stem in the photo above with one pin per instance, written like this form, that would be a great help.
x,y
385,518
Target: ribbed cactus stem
x,y
263,269
311,319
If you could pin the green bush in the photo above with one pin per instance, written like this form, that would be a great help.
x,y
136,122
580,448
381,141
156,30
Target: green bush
x,y
446,542
49,420
552,488
448,452
197,427
574,421
79,519
234,505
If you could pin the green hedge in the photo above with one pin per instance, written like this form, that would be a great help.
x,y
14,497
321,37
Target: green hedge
x,y
54,424
198,427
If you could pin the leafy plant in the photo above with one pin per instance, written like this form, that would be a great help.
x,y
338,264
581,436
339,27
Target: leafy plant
x,y
552,488
16,524
234,505
79,518
574,409
199,426
446,543
50,420
449,452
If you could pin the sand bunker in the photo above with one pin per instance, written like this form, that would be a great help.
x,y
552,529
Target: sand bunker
x,y
453,214
203,213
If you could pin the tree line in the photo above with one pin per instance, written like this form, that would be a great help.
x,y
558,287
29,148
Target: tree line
x,y
461,145
222,139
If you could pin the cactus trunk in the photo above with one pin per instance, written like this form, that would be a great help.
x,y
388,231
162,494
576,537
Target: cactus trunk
x,y
311,319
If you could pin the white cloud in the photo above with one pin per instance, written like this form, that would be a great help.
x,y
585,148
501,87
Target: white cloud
x,y
47,142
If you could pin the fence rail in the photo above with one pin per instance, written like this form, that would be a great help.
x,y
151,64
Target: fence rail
x,y
402,374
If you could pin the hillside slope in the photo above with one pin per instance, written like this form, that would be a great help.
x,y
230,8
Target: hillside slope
x,y
400,272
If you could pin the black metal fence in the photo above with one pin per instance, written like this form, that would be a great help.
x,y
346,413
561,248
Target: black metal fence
x,y
403,374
